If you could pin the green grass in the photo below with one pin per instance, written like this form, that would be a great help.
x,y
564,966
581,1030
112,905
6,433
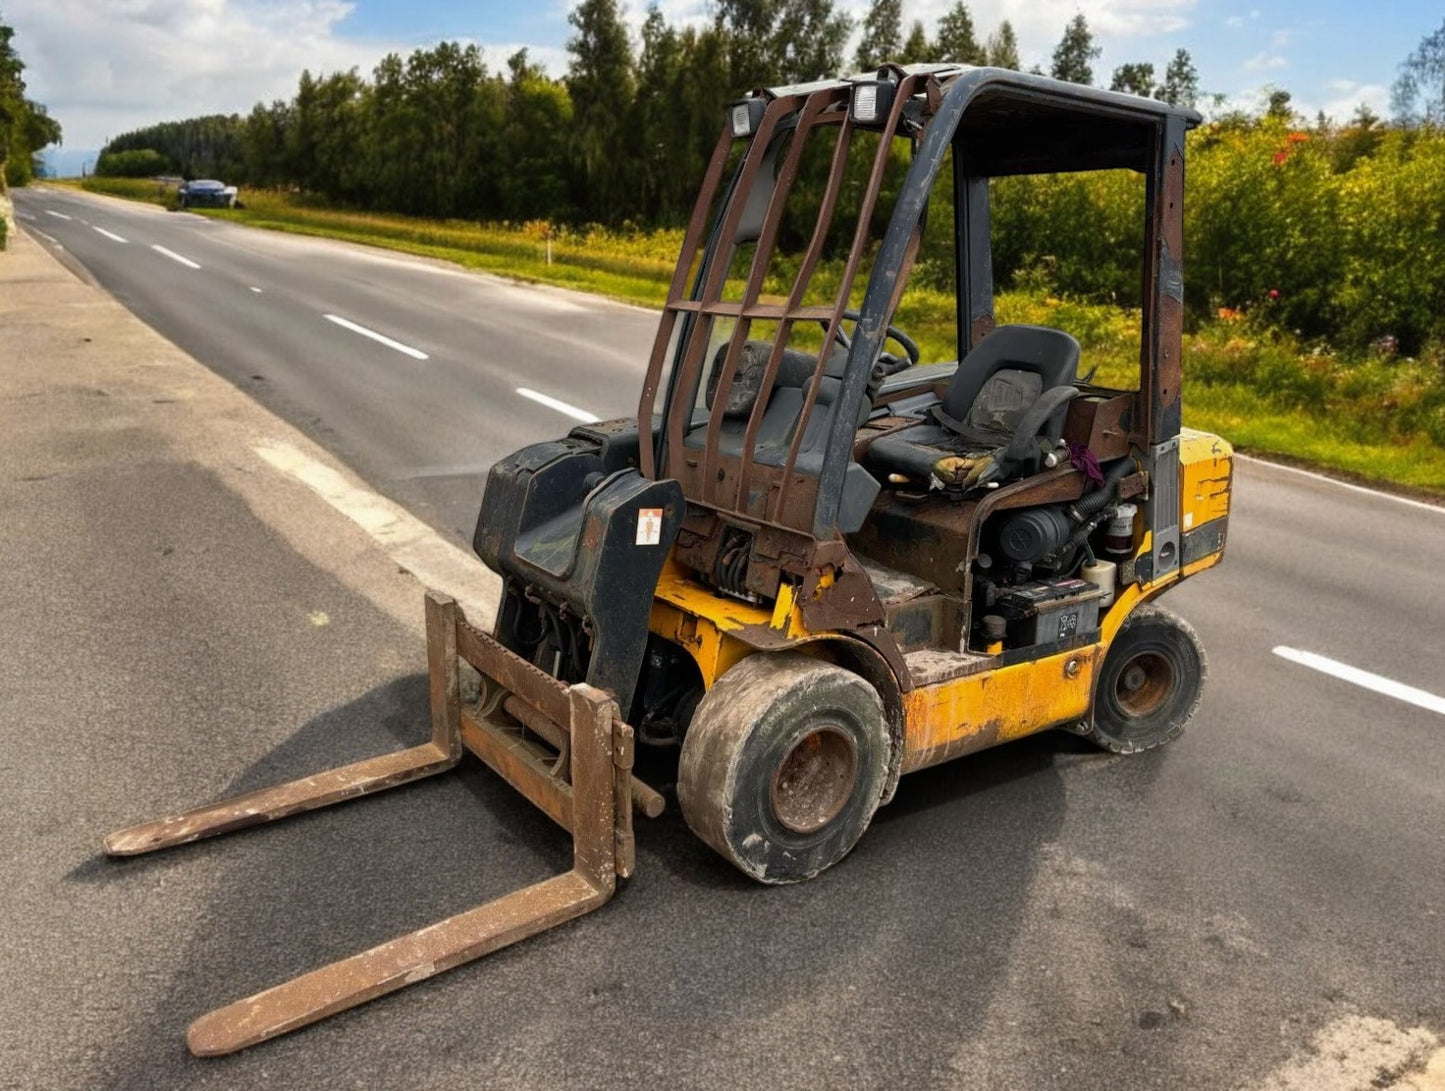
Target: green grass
x,y
133,189
1376,419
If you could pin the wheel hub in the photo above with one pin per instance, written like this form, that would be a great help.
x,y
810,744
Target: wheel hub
x,y
1145,684
814,780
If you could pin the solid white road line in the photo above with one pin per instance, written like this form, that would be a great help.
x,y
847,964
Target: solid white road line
x,y
415,354
561,407
174,256
57,215
413,545
108,234
1436,508
1379,684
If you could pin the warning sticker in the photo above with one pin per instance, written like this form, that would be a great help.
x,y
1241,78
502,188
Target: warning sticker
x,y
649,526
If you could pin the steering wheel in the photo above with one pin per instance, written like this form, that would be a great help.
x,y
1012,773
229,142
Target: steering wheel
x,y
891,333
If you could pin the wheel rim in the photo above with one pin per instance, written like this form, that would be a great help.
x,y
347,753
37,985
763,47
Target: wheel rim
x,y
814,780
1145,684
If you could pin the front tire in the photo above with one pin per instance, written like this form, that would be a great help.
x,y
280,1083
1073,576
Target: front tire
x,y
1150,683
783,765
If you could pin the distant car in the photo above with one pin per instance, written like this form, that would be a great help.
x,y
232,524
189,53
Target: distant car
x,y
206,193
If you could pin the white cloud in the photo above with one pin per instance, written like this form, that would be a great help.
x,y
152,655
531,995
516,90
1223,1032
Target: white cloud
x,y
1348,96
1234,21
1040,23
103,69
1264,62
107,68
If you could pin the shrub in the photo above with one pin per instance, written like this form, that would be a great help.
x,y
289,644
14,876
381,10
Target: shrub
x,y
139,163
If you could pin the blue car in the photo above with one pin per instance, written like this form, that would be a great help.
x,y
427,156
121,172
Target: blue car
x,y
207,193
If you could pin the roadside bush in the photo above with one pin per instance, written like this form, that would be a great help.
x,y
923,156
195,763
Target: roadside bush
x,y
138,163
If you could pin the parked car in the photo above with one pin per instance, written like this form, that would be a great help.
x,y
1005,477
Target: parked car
x,y
207,193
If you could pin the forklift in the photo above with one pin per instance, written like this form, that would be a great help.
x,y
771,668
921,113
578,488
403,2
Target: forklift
x,y
814,561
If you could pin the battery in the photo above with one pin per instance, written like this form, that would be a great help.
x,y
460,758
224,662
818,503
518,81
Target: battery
x,y
1048,610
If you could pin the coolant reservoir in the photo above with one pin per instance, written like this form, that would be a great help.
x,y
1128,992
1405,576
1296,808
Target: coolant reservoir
x,y
1103,575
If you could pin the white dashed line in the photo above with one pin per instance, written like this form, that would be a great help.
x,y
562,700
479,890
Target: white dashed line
x,y
255,289
560,406
1378,683
187,262
415,354
108,234
57,215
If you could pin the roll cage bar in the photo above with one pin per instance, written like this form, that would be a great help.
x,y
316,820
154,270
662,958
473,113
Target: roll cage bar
x,y
997,122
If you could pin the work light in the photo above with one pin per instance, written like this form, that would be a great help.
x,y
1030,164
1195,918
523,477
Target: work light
x,y
873,98
746,115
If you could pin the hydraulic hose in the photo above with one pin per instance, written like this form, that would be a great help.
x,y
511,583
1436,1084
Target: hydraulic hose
x,y
1087,506
1088,510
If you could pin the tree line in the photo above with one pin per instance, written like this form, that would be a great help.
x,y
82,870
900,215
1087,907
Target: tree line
x,y
623,136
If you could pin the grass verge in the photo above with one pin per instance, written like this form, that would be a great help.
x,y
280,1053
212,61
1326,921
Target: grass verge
x,y
1372,418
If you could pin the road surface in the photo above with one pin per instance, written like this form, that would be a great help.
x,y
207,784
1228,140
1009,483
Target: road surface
x,y
1265,894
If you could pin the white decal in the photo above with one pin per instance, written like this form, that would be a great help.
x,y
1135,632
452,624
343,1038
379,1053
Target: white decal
x,y
649,526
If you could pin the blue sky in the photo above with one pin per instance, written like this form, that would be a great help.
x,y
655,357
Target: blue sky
x,y
106,66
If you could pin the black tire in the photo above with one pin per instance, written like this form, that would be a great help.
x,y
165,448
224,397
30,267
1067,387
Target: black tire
x,y
1150,684
783,765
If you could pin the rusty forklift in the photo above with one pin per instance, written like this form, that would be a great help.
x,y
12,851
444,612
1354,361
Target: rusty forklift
x,y
814,561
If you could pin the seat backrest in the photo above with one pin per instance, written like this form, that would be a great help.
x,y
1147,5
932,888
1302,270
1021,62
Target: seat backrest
x,y
1005,373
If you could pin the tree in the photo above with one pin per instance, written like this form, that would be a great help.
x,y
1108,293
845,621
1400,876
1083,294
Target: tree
x,y
808,41
136,163
1277,105
1418,94
916,49
1181,82
600,83
263,144
533,185
25,127
956,43
1003,47
882,35
1134,79
744,29
1075,51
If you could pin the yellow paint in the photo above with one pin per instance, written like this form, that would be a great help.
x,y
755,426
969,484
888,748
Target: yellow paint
x,y
702,622
979,710
1122,607
783,608
1205,467
825,580
714,651
1207,561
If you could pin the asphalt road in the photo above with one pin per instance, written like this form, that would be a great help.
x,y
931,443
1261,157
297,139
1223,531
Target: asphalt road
x,y
423,431
1039,915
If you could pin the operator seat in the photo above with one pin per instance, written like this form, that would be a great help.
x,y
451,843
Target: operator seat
x,y
1012,375
780,418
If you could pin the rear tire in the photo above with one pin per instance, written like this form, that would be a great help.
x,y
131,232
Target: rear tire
x,y
1150,684
783,765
